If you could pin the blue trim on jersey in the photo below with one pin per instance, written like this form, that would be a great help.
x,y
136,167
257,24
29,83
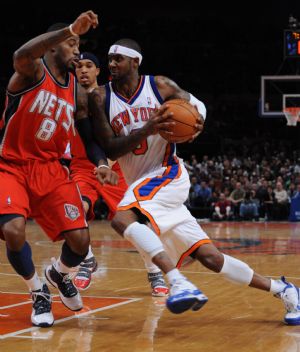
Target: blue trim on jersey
x,y
136,94
107,100
145,190
171,159
155,90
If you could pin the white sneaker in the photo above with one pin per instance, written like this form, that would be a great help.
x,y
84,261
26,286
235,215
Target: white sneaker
x,y
291,299
41,309
68,293
184,296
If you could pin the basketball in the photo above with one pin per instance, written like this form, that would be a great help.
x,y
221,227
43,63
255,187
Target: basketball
x,y
185,116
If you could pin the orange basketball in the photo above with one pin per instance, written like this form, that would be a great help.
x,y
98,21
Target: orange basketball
x,y
185,115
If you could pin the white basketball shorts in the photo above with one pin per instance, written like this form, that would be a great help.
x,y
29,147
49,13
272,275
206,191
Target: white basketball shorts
x,y
160,196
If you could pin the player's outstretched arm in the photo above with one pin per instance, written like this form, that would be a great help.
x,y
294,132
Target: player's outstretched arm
x,y
116,146
26,59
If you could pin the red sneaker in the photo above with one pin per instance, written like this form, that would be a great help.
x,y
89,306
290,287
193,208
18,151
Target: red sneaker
x,y
83,277
158,284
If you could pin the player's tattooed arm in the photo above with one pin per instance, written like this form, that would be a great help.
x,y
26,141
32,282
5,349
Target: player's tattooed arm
x,y
168,89
27,63
83,125
117,146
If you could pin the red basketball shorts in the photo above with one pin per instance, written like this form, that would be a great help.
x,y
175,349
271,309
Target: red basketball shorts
x,y
91,188
43,191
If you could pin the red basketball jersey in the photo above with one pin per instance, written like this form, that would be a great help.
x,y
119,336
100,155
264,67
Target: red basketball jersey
x,y
37,123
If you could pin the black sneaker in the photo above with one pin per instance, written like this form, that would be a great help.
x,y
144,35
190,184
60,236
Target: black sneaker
x,y
158,284
68,293
83,277
41,309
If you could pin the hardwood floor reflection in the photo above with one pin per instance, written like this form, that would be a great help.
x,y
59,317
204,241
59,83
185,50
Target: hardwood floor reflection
x,y
121,315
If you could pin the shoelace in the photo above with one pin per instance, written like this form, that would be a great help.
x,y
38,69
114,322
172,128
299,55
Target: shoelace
x,y
158,282
69,290
41,302
66,285
288,305
84,273
177,285
88,264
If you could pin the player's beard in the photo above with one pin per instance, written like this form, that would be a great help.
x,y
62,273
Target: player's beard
x,y
72,69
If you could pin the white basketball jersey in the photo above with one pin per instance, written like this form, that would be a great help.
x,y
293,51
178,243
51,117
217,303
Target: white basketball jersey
x,y
126,116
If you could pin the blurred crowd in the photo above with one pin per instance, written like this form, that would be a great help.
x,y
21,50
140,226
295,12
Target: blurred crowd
x,y
228,187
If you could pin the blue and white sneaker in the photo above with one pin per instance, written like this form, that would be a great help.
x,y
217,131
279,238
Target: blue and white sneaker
x,y
184,296
291,299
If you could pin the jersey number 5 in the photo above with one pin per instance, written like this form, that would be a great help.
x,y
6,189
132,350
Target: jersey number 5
x,y
142,147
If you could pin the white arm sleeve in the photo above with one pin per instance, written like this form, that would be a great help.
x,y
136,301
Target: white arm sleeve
x,y
200,106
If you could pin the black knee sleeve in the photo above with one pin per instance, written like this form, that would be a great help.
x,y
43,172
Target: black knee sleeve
x,y
70,258
21,261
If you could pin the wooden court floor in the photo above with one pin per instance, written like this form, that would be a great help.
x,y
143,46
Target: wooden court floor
x,y
120,315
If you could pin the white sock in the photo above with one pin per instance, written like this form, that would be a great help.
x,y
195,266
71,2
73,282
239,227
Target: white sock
x,y
90,253
174,275
277,286
60,267
34,283
151,267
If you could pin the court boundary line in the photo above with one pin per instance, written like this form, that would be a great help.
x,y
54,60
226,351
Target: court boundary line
x,y
78,315
183,271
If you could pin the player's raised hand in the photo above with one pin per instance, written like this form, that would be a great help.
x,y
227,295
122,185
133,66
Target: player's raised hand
x,y
84,22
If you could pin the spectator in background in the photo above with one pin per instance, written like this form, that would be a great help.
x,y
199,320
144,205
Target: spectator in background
x,y
222,210
248,207
297,193
262,195
194,192
281,202
236,198
292,190
204,195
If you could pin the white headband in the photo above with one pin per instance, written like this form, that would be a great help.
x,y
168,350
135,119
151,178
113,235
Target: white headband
x,y
122,50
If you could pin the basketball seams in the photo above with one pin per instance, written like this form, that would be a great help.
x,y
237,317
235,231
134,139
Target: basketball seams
x,y
186,108
183,103
183,110
179,121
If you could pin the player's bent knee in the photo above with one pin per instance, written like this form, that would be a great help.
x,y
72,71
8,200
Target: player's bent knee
x,y
122,220
213,261
210,257
14,237
78,241
119,224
